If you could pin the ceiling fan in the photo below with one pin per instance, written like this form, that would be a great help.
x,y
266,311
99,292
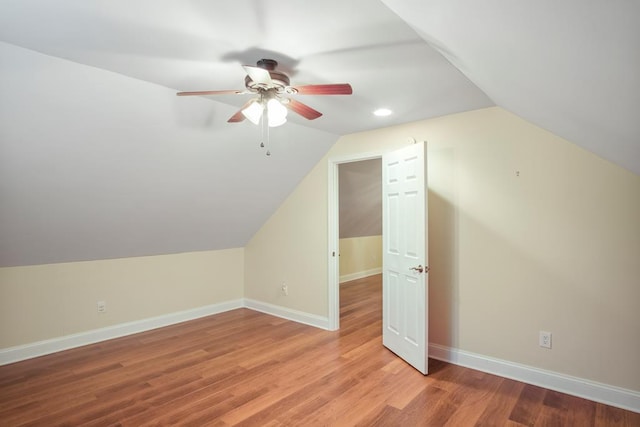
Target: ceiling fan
x,y
272,86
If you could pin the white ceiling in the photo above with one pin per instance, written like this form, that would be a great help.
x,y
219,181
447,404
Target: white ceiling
x,y
99,159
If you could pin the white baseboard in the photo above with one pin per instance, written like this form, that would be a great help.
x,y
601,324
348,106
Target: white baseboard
x,y
40,348
603,393
610,395
288,313
360,274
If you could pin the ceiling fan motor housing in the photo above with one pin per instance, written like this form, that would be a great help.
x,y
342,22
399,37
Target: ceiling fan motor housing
x,y
279,81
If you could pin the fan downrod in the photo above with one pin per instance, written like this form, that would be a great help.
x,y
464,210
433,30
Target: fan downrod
x,y
267,64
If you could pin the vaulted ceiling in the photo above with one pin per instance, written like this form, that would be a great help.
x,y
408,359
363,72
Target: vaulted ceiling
x,y
100,159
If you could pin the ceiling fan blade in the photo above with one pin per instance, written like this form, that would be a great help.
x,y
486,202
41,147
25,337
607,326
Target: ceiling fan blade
x,y
212,92
330,89
302,109
258,75
238,116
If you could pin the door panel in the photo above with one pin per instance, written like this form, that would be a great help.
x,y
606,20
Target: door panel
x,y
405,240
393,302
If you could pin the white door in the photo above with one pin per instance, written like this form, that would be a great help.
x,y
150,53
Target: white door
x,y
404,261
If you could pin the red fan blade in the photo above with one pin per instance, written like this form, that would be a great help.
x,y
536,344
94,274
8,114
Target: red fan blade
x,y
333,89
238,116
302,109
258,75
211,92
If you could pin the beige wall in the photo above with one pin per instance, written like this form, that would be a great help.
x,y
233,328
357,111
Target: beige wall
x,y
48,301
291,248
359,255
528,232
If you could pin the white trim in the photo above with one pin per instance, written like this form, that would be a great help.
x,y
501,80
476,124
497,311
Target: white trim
x,y
360,274
603,393
333,248
288,313
40,348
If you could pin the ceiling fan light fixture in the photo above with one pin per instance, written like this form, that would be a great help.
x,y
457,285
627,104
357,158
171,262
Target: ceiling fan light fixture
x,y
276,112
253,112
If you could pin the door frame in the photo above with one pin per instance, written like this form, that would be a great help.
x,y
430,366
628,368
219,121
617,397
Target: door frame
x,y
333,240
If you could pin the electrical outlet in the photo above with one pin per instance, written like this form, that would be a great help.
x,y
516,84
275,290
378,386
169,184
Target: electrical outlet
x,y
545,339
284,289
102,306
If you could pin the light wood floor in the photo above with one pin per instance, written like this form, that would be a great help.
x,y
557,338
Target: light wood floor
x,y
248,368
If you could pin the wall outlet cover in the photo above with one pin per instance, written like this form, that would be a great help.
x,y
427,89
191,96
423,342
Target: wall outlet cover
x,y
545,339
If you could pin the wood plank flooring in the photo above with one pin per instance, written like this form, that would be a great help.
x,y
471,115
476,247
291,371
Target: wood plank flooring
x,y
249,369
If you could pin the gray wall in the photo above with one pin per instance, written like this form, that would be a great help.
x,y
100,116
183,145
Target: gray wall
x,y
360,198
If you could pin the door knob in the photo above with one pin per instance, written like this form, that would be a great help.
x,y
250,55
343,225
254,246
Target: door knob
x,y
419,268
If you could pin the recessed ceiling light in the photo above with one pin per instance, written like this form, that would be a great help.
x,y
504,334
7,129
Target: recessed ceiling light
x,y
382,112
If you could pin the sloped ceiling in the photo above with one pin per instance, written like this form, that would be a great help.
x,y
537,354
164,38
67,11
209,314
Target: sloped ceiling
x,y
571,67
95,165
99,159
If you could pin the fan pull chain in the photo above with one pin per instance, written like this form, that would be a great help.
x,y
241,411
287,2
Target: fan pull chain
x,y
262,131
265,124
268,137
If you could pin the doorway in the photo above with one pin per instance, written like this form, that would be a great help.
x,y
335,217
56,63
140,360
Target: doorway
x,y
355,165
360,219
405,251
